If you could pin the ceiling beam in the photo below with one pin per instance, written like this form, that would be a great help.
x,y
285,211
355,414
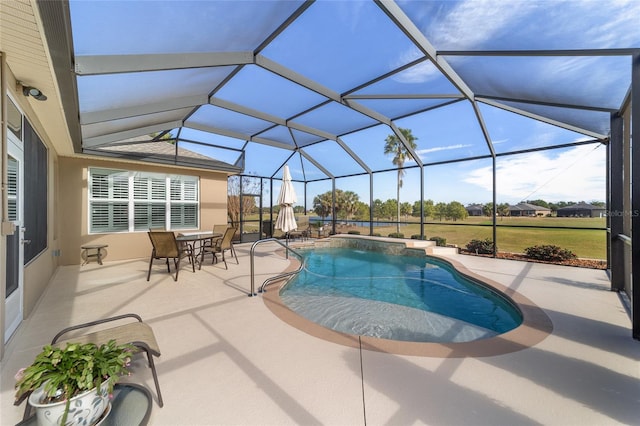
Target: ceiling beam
x,y
311,130
406,96
353,155
238,135
231,106
411,151
366,111
543,103
483,126
315,163
543,119
145,109
57,29
271,118
290,75
111,64
294,77
395,13
271,142
541,52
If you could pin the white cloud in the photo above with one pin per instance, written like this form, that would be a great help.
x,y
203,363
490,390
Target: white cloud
x,y
575,174
420,73
422,152
466,26
472,23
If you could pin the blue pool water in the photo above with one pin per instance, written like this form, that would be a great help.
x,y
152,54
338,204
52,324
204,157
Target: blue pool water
x,y
398,297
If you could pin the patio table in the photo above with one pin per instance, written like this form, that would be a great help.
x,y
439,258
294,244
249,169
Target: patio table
x,y
198,238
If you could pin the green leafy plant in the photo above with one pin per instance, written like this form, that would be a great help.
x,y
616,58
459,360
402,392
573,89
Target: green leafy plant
x,y
418,237
352,232
485,246
549,252
396,235
440,241
67,372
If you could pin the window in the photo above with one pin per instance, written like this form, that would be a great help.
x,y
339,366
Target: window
x,y
35,193
12,188
121,200
14,119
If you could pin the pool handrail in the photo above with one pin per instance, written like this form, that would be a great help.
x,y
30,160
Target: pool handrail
x,y
279,276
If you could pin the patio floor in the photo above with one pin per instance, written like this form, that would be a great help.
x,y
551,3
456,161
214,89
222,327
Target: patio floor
x,y
227,359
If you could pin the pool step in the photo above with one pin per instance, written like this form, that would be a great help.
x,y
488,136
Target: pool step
x,y
441,250
385,320
420,243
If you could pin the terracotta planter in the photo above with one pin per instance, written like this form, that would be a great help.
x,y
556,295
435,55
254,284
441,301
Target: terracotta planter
x,y
85,409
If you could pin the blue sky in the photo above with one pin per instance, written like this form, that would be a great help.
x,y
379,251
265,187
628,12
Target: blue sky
x,y
567,174
346,43
572,174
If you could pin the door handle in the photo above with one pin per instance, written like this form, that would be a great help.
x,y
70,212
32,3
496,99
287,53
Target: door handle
x,y
23,241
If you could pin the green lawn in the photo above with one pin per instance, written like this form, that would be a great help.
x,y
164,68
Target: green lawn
x,y
585,243
575,222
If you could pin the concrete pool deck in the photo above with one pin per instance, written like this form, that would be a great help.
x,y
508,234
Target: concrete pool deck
x,y
228,360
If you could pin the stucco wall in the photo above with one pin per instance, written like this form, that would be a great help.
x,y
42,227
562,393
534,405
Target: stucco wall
x,y
74,208
40,269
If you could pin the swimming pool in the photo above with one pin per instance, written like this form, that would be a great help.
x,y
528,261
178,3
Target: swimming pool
x,y
397,297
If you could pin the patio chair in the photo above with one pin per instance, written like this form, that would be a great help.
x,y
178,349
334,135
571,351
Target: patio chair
x,y
306,233
220,245
137,333
166,247
205,249
219,229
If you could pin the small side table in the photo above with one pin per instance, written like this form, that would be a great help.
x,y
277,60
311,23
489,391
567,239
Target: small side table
x,y
88,252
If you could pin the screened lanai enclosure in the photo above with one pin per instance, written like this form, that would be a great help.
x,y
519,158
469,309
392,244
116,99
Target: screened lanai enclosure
x,y
502,103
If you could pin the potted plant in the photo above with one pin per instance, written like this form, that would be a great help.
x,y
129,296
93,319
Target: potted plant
x,y
59,375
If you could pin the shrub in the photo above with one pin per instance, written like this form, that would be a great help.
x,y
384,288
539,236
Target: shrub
x,y
418,237
485,246
440,241
396,235
549,252
353,232
376,234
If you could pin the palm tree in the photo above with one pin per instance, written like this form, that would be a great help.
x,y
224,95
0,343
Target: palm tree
x,y
400,153
350,207
322,204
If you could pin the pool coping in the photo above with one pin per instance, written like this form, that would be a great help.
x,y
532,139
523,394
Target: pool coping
x,y
535,327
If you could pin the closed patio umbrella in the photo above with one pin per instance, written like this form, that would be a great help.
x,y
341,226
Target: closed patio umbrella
x,y
286,220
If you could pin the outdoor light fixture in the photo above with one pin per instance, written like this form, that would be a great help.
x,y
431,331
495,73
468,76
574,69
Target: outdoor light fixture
x,y
33,92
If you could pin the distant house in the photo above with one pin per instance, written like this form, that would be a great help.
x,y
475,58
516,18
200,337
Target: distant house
x,y
475,209
581,210
526,209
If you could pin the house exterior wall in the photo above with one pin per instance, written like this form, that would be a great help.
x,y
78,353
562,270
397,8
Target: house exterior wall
x,y
74,208
67,208
39,270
